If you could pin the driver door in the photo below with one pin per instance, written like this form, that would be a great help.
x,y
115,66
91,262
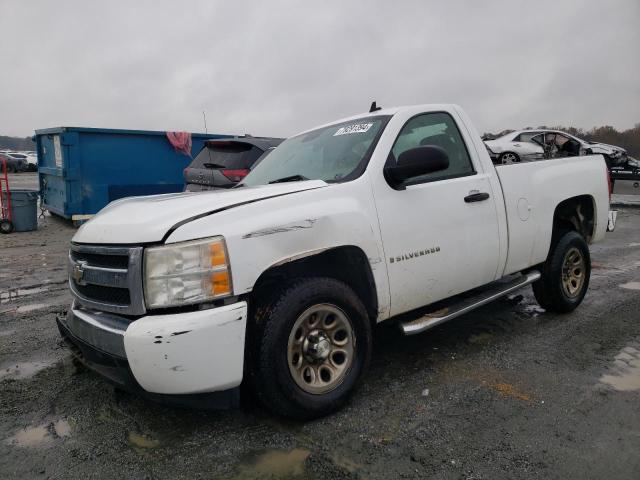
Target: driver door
x,y
439,239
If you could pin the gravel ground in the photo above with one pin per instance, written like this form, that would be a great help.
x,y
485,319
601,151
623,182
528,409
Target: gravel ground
x,y
507,391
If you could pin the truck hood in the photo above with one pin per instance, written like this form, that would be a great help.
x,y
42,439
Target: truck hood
x,y
138,220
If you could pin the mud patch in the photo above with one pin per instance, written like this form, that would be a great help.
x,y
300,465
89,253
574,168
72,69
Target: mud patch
x,y
142,441
508,390
624,375
23,370
276,464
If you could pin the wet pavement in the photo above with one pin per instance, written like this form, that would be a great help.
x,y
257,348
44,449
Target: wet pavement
x,y
508,391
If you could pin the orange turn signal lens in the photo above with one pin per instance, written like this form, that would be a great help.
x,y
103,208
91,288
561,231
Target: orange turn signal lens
x,y
220,283
218,257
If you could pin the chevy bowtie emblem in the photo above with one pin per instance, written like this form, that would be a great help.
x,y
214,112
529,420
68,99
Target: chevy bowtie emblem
x,y
78,272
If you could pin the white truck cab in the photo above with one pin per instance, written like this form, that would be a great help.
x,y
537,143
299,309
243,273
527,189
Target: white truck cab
x,y
279,281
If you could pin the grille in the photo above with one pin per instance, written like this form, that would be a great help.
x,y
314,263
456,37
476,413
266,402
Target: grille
x,y
107,278
101,293
106,261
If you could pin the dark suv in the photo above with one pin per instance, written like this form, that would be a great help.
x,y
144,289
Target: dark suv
x,y
224,162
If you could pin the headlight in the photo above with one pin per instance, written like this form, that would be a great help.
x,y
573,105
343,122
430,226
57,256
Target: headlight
x,y
186,273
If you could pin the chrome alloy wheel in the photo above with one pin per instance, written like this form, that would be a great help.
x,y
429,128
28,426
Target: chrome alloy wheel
x,y
321,348
573,272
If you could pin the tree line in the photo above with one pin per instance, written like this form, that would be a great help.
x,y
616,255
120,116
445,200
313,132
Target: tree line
x,y
17,143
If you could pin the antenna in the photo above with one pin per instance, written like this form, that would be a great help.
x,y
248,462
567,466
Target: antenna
x,y
204,116
374,107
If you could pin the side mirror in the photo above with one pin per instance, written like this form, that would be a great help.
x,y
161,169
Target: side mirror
x,y
415,162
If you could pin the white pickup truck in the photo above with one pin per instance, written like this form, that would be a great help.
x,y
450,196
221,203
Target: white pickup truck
x,y
280,281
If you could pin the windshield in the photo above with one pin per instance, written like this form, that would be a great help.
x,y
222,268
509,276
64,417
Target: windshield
x,y
334,154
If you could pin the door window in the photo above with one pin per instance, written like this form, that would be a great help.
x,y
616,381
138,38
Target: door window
x,y
437,129
525,137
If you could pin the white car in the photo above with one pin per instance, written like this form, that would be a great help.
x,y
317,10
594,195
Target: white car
x,y
278,282
527,145
32,160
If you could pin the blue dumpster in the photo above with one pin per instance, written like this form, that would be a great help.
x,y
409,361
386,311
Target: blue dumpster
x,y
81,170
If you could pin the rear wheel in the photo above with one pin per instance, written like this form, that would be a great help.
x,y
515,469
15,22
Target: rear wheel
x,y
509,157
565,274
312,344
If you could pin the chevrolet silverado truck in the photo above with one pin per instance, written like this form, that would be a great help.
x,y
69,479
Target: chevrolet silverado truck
x,y
394,215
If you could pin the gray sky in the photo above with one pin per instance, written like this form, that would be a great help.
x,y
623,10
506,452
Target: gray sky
x,y
275,68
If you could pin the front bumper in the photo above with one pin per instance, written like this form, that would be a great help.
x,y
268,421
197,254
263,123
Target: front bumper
x,y
194,358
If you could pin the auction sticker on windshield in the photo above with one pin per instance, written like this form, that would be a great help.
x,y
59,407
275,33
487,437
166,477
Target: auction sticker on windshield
x,y
355,128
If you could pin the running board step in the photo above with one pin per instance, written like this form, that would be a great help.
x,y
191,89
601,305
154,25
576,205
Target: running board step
x,y
495,291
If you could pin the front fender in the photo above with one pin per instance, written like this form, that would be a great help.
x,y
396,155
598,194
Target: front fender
x,y
274,231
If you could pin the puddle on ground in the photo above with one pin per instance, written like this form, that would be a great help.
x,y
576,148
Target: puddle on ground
x,y
40,435
634,244
31,436
275,464
33,306
631,285
533,309
22,370
14,294
143,441
480,338
346,463
6,333
625,372
62,428
605,272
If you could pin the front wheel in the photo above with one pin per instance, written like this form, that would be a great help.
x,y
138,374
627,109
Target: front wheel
x,y
312,344
565,274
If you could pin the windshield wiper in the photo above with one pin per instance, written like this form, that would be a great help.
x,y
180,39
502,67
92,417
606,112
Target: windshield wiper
x,y
290,178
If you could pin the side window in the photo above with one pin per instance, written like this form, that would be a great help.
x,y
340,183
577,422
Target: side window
x,y
437,129
525,137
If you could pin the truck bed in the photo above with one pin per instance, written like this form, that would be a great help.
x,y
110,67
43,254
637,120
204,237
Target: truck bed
x,y
531,192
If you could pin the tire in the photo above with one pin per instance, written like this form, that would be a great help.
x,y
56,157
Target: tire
x,y
508,157
565,274
6,226
302,387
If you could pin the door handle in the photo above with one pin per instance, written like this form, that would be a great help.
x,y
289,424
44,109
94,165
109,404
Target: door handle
x,y
476,197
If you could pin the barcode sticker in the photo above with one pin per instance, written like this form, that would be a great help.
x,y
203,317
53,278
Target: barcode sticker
x,y
355,128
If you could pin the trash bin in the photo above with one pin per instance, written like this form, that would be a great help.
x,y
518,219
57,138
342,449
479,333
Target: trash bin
x,y
24,210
